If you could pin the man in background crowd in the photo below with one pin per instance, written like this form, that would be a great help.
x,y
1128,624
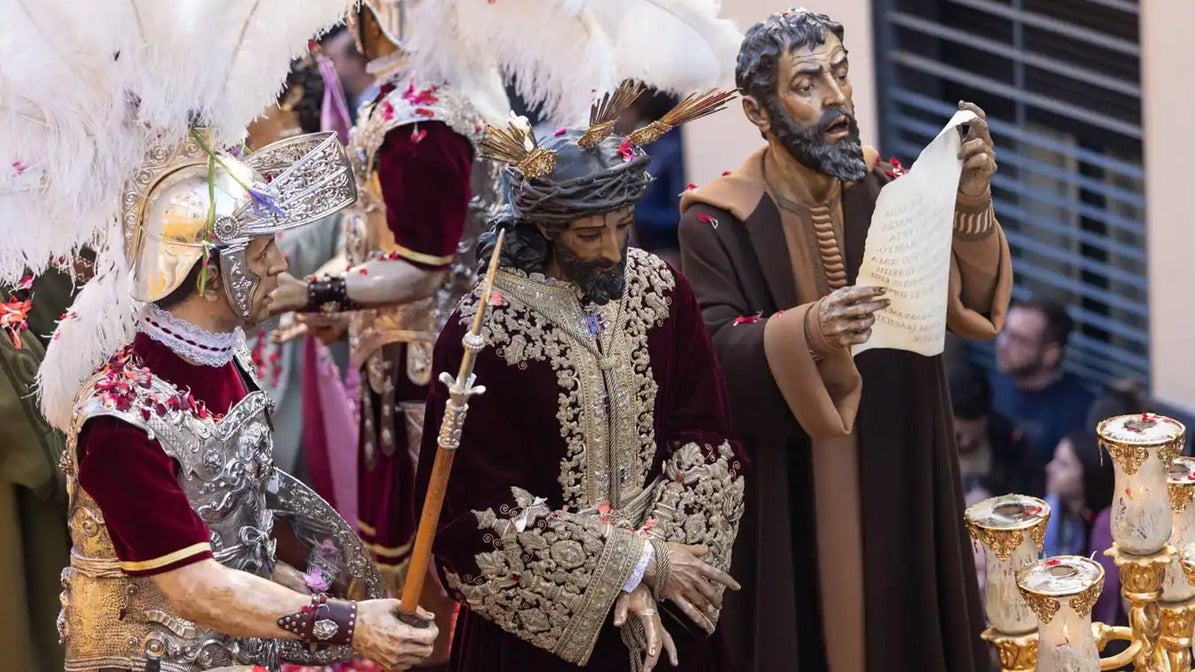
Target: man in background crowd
x,y
1031,388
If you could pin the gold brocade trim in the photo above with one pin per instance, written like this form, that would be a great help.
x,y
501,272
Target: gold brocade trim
x,y
155,563
1131,457
1084,601
1016,653
607,390
552,576
366,528
1004,541
1042,605
1046,607
423,257
1181,495
700,502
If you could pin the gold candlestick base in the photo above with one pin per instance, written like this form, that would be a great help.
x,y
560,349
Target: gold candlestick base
x,y
1177,628
1141,578
1018,653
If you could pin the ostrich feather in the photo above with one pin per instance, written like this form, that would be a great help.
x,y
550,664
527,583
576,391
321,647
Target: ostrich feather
x,y
221,62
102,319
554,52
562,53
677,46
65,137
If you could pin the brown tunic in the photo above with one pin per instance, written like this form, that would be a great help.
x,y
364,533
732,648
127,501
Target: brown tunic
x,y
862,478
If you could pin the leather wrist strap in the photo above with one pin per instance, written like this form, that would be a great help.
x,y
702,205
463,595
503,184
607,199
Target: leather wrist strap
x,y
324,622
328,295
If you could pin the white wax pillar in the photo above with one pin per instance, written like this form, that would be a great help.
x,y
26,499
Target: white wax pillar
x,y
1181,485
1008,529
1141,448
1061,591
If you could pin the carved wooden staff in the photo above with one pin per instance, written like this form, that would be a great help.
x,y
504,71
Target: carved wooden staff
x,y
459,391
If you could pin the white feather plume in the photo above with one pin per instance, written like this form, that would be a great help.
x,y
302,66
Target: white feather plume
x,y
85,87
561,53
101,320
677,46
555,52
64,130
223,61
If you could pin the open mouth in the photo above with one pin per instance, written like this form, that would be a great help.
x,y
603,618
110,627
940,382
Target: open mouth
x,y
839,128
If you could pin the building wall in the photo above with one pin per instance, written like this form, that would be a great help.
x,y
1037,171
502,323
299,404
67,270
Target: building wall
x,y
721,142
1169,125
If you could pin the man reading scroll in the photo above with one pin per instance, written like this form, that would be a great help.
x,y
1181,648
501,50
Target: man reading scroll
x,y
854,487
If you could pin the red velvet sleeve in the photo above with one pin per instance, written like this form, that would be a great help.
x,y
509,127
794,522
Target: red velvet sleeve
x,y
135,484
424,171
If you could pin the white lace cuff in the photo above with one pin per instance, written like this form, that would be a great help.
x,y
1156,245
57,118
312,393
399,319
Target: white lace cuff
x,y
636,576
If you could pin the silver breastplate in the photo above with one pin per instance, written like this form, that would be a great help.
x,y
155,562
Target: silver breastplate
x,y
226,468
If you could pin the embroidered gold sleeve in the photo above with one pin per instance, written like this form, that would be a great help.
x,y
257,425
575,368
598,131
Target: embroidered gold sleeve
x,y
552,577
700,501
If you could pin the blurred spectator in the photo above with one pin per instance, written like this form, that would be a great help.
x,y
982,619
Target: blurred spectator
x,y
658,212
1043,401
1079,488
993,460
350,64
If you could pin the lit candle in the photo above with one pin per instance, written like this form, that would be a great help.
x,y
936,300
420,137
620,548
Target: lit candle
x,y
1142,448
1061,592
1181,485
1010,529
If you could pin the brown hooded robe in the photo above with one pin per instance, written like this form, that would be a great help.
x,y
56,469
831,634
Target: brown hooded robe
x,y
852,551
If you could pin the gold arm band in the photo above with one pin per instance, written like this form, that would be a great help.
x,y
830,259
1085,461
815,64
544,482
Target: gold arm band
x,y
180,554
422,257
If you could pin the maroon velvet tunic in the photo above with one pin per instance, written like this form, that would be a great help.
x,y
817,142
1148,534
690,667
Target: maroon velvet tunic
x,y
135,483
597,428
424,171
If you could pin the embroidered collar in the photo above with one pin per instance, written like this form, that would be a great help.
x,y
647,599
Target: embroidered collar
x,y
187,340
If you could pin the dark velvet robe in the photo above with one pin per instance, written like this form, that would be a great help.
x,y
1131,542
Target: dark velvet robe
x,y
569,460
918,595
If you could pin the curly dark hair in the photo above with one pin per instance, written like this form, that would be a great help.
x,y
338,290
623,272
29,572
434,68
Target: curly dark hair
x,y
304,72
755,71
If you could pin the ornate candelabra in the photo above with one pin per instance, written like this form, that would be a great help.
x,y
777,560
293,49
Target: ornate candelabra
x,y
1039,609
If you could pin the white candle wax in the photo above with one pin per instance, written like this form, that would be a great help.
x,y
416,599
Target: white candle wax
x,y
1007,529
1064,590
1181,485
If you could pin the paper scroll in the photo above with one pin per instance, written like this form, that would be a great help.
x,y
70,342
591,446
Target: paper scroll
x,y
908,248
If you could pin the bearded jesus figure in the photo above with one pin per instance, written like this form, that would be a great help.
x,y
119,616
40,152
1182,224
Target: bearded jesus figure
x,y
852,552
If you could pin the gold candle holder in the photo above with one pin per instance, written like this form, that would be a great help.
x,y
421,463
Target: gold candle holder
x,y
1177,606
1142,448
1011,530
1061,592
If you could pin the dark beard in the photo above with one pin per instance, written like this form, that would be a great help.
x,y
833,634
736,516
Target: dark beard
x,y
600,282
807,144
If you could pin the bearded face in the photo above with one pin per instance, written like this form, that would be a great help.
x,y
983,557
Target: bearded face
x,y
600,280
591,253
830,145
809,112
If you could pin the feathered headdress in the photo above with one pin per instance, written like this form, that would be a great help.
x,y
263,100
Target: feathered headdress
x,y
560,52
88,88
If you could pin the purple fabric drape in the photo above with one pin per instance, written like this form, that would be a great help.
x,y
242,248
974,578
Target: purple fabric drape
x,y
330,430
334,112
